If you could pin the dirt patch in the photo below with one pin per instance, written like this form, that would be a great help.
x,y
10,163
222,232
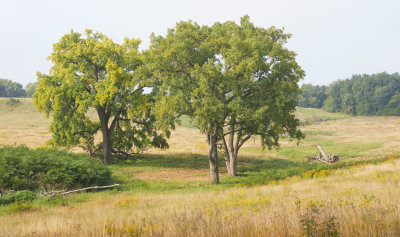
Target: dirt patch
x,y
174,174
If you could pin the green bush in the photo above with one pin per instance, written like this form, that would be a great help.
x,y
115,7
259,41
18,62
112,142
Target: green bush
x,y
21,196
22,168
12,102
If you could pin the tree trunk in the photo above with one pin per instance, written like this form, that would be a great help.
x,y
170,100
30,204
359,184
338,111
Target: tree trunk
x,y
232,170
231,161
323,153
213,157
231,152
227,162
106,132
107,159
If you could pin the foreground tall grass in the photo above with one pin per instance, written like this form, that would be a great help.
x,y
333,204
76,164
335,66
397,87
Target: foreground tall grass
x,y
362,201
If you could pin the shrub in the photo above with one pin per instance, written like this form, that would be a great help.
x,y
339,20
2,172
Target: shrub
x,y
315,224
12,102
21,196
23,168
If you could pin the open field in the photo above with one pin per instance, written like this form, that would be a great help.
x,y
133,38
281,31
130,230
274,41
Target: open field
x,y
168,192
22,124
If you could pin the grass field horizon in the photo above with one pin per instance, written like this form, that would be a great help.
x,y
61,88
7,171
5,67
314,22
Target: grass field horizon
x,y
278,193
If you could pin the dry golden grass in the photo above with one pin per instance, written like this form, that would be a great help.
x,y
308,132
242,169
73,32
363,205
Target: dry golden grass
x,y
361,129
170,174
185,141
362,202
22,124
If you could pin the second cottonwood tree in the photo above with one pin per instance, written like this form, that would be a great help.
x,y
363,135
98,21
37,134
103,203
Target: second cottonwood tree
x,y
234,81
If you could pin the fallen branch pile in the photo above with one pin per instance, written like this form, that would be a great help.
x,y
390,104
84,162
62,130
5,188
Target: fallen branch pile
x,y
66,193
322,157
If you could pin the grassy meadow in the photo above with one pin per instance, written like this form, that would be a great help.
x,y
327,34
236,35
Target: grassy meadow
x,y
277,193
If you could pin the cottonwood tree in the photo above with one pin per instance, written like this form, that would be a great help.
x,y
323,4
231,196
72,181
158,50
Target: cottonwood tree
x,y
93,87
235,81
263,90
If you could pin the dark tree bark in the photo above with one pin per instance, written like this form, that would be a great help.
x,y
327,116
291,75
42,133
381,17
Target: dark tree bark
x,y
106,132
213,157
107,148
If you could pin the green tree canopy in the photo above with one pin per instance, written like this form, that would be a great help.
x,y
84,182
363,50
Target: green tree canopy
x,y
235,81
30,89
393,106
374,94
9,88
93,87
312,96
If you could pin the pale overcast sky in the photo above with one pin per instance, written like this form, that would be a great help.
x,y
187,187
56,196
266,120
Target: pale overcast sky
x,y
334,39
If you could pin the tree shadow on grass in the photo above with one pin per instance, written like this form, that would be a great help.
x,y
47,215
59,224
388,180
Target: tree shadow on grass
x,y
199,161
250,170
191,161
248,164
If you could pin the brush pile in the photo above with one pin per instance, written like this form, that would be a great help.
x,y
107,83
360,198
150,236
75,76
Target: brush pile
x,y
322,157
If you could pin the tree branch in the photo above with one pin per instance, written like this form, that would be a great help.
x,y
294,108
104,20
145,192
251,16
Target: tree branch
x,y
244,140
52,194
236,130
116,118
225,148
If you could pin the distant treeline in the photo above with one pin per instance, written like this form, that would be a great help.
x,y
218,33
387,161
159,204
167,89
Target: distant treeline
x,y
10,88
377,94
